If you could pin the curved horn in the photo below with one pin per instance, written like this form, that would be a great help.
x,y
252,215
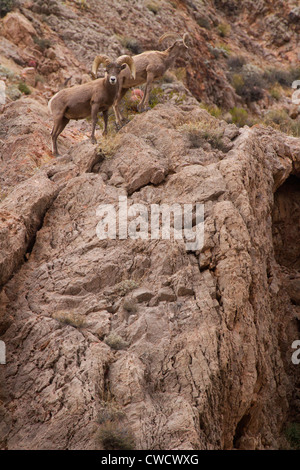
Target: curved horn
x,y
168,35
126,59
99,59
185,36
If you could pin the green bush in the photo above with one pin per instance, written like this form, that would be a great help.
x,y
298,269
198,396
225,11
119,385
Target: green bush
x,y
6,6
249,83
275,92
24,88
239,116
292,434
155,96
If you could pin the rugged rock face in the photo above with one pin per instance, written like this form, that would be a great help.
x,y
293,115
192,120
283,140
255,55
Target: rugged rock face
x,y
133,342
192,348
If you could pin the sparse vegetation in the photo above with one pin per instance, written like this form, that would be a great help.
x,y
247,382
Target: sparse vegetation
x,y
6,6
292,434
280,120
212,109
154,7
131,44
221,48
236,63
281,76
130,305
249,83
155,96
126,286
204,22
114,435
239,116
199,132
109,145
23,87
114,341
276,92
180,74
42,43
223,29
68,318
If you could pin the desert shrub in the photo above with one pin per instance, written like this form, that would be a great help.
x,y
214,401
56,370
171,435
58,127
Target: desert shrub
x,y
24,88
283,77
280,120
236,63
114,341
5,72
6,6
108,146
114,435
212,109
249,83
155,96
131,44
130,305
114,432
154,7
71,319
168,77
239,116
199,132
231,7
275,92
292,434
203,22
223,29
223,49
42,43
125,286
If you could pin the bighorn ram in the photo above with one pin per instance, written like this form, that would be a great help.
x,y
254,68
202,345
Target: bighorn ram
x,y
149,65
81,101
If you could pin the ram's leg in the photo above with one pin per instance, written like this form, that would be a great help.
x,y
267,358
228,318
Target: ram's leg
x,y
105,119
94,114
144,103
118,115
59,125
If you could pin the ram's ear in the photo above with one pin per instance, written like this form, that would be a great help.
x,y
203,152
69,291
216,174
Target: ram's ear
x,y
123,66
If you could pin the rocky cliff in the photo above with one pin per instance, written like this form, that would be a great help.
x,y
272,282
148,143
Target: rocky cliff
x,y
142,343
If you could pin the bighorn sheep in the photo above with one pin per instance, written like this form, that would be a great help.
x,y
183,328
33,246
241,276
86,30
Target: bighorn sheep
x,y
81,101
149,65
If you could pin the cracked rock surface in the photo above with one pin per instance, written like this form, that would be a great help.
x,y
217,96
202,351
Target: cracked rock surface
x,y
191,348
